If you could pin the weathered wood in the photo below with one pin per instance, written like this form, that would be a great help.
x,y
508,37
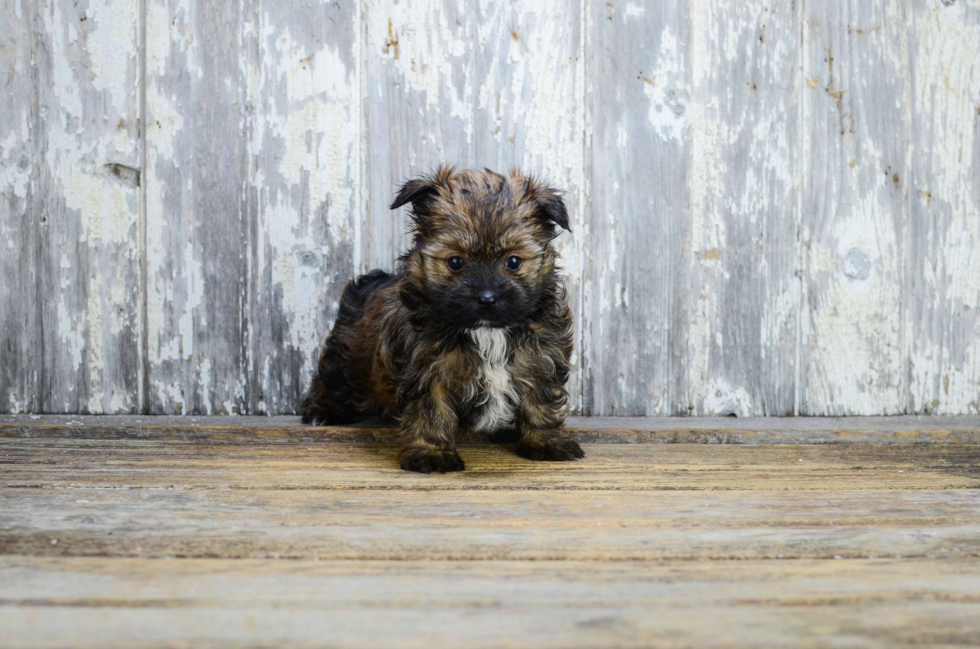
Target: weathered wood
x,y
885,624
123,540
854,208
488,524
636,277
420,97
943,291
59,602
198,512
18,193
197,226
304,195
702,170
640,467
745,298
87,206
614,430
151,583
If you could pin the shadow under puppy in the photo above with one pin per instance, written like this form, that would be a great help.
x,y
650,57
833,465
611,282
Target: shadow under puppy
x,y
472,331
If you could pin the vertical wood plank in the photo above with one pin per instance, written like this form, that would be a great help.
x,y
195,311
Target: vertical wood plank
x,y
944,226
18,168
196,220
745,295
854,213
87,58
473,84
420,93
637,270
304,148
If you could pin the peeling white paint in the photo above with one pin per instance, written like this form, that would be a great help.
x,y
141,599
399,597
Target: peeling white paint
x,y
14,405
307,104
88,104
113,24
14,177
722,400
743,195
419,40
944,318
854,212
665,87
171,394
477,82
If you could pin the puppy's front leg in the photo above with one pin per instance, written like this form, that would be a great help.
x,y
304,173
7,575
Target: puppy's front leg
x,y
539,424
429,433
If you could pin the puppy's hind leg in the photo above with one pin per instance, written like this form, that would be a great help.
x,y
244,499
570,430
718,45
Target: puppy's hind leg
x,y
328,400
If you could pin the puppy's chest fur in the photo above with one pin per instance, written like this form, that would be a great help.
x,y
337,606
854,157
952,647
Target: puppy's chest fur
x,y
496,398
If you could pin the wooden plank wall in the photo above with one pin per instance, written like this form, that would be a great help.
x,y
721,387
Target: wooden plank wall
x,y
855,210
776,206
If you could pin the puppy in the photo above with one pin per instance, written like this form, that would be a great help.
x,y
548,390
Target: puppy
x,y
472,331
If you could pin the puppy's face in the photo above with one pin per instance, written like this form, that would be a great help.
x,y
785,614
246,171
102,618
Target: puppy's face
x,y
482,253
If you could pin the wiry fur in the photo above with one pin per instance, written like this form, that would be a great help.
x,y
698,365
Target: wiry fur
x,y
421,347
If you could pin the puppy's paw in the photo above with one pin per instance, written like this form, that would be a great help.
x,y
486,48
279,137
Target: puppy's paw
x,y
431,460
556,450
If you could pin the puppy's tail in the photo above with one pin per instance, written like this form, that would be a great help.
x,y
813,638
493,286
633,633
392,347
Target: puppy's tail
x,y
330,399
357,293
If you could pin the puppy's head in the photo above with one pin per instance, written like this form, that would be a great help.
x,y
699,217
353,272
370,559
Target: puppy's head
x,y
482,253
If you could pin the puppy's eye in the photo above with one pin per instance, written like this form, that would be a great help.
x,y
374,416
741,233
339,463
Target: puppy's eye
x,y
513,262
455,263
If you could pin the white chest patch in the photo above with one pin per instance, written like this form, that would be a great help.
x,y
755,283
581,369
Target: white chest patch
x,y
497,397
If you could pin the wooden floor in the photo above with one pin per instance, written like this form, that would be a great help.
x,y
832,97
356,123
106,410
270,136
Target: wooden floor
x,y
125,532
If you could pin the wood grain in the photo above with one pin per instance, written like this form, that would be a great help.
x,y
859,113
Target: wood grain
x,y
855,214
298,603
610,430
419,113
202,541
87,208
943,291
639,467
543,524
636,273
745,300
18,193
755,233
304,194
197,226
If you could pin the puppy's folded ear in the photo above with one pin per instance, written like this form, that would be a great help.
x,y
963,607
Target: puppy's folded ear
x,y
422,191
418,191
547,202
552,207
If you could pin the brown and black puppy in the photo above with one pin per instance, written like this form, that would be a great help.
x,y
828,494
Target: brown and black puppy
x,y
472,331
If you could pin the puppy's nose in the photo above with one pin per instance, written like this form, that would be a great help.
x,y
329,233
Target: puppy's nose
x,y
487,298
